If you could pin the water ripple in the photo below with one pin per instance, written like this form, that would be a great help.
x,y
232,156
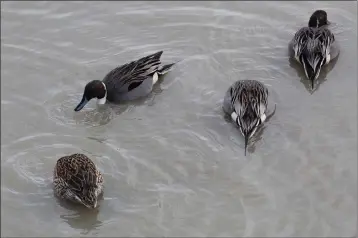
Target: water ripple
x,y
29,162
61,111
175,167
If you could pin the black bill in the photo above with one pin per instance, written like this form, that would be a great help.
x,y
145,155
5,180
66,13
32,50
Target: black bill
x,y
83,102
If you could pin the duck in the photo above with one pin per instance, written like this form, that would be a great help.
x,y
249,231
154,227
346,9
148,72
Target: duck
x,y
126,82
314,46
246,102
77,179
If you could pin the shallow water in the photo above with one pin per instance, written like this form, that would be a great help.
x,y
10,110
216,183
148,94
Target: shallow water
x,y
173,165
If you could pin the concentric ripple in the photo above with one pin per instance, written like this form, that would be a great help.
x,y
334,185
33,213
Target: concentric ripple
x,y
28,163
172,165
60,109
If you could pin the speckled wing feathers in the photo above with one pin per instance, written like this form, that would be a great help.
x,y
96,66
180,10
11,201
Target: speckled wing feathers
x,y
300,39
312,43
74,175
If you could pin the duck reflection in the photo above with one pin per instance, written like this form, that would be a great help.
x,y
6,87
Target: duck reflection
x,y
79,217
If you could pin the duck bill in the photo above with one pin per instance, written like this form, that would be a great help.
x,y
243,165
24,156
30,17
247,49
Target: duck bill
x,y
83,102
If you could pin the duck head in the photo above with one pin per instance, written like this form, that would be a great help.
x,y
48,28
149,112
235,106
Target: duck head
x,y
248,126
318,19
94,89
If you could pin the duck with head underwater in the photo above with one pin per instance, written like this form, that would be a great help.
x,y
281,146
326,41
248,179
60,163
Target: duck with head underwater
x,y
126,82
77,179
314,46
246,102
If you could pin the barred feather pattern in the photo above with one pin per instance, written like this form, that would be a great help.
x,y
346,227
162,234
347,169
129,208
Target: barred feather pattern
x,y
313,44
249,100
133,73
76,178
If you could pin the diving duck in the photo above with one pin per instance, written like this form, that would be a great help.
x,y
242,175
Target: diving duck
x,y
246,102
126,82
315,45
77,179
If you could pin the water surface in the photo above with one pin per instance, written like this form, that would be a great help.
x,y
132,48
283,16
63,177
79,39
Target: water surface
x,y
173,165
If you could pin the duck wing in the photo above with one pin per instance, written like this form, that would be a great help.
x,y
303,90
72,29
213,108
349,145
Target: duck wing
x,y
300,40
249,93
258,99
239,98
326,40
129,76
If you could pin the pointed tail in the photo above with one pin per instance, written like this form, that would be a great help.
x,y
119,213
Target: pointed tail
x,y
165,68
246,142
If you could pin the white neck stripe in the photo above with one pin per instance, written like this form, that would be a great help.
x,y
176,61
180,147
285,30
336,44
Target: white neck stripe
x,y
104,99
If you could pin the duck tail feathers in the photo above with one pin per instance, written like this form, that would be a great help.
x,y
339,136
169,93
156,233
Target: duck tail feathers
x,y
156,55
163,69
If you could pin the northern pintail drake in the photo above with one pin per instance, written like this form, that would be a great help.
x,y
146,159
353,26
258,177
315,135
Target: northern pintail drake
x,y
246,102
126,82
315,45
77,179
